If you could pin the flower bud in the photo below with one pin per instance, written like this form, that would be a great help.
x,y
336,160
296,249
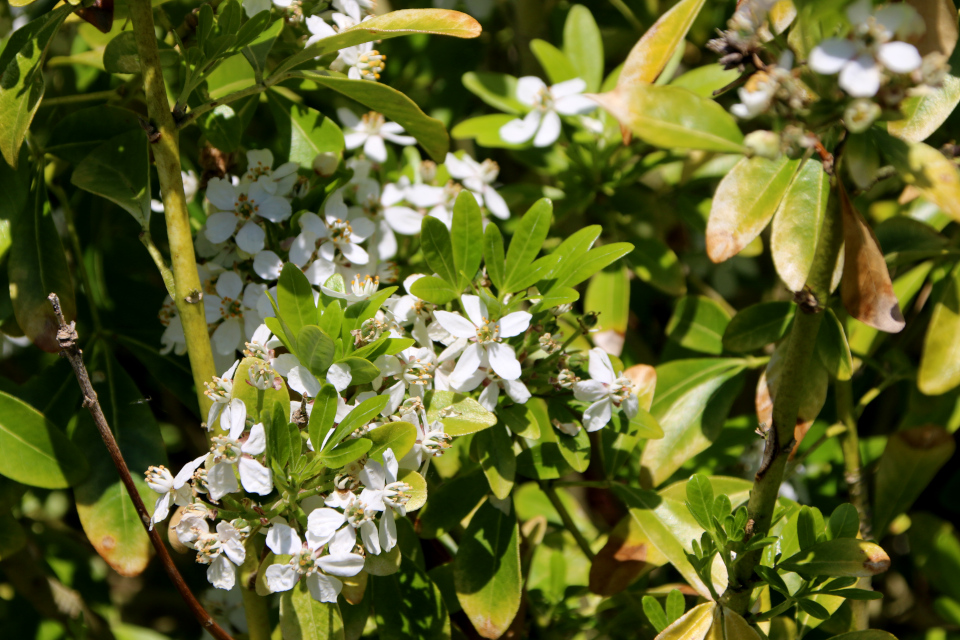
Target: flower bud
x,y
765,144
860,114
326,163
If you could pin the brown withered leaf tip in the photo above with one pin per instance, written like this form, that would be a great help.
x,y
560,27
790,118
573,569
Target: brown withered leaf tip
x,y
99,14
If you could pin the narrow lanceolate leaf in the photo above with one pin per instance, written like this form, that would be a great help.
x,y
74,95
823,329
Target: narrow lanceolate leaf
x,y
35,451
924,167
486,570
466,236
745,202
694,625
37,268
651,54
103,504
527,241
119,170
493,257
583,46
672,117
866,289
295,299
438,250
21,87
940,363
842,557
833,348
923,114
758,325
303,618
796,225
608,294
910,461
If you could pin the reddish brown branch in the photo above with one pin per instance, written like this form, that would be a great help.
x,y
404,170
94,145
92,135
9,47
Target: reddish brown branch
x,y
67,339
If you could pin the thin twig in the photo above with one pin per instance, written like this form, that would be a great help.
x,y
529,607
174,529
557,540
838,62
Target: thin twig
x,y
568,522
67,339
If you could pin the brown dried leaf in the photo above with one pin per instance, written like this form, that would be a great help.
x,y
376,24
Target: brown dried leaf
x,y
865,287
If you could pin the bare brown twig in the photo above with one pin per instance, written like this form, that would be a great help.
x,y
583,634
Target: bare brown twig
x,y
67,339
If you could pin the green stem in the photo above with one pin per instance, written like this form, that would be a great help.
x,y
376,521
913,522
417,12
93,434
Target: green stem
x,y
568,522
236,95
166,152
780,440
168,280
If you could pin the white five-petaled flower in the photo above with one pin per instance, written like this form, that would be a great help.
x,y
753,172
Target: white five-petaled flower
x,y
236,305
219,391
361,288
387,495
479,339
358,515
310,563
479,177
223,551
241,206
370,131
361,61
542,123
172,490
229,450
260,164
605,391
860,62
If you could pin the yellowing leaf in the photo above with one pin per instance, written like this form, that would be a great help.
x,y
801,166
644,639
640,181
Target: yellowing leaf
x,y
693,625
923,114
865,288
940,363
796,225
744,203
651,54
922,166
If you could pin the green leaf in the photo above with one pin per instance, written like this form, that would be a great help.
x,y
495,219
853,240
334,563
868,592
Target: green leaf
x,y
909,463
526,243
797,222
654,613
303,132
652,52
346,452
417,493
466,236
844,522
520,419
486,570
758,325
920,165
807,529
303,618
251,395
868,634
840,557
295,297
698,323
558,66
361,371
583,46
358,417
407,604
35,451
21,84
745,202
493,257
79,132
223,127
119,170
106,513
429,132
814,609
438,250
704,80
940,362
657,265
120,55
434,289
621,437
608,294
700,500
485,130
257,51
450,503
494,450
383,346
323,415
459,414
691,401
542,459
315,350
571,273
38,267
833,349
923,114
675,605
498,90
166,369
397,436
280,444
674,118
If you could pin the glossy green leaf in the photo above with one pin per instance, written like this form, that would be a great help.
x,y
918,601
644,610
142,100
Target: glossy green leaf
x,y
119,170
575,449
608,294
498,90
797,222
652,52
940,363
867,634
571,271
494,450
655,613
303,618
520,419
910,461
466,238
691,402
555,63
438,250
303,132
840,557
673,118
923,114
398,436
103,504
323,415
38,267
493,256
315,350
35,451
346,452
257,51
621,437
924,167
700,500
583,46
526,243
295,297
698,323
486,571
844,522
833,349
745,202
451,502
434,289
705,80
120,55
22,84
80,132
359,416
459,414
407,604
485,130
657,265
758,325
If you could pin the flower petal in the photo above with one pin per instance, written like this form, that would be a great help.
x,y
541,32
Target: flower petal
x,y
900,57
267,265
324,588
222,573
255,477
549,130
256,442
456,324
250,237
597,415
513,324
504,361
528,87
861,77
831,55
519,131
283,540
600,367
281,577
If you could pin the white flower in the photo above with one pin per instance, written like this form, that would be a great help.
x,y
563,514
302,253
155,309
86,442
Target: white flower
x,y
412,366
370,131
401,219
219,391
485,338
228,451
755,96
516,390
387,495
360,289
341,232
355,8
860,62
172,490
241,205
309,562
237,307
260,164
479,177
358,515
305,383
605,390
362,61
223,551
542,123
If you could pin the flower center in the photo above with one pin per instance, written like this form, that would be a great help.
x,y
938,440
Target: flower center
x,y
225,449
245,207
340,231
230,308
489,332
543,101
371,65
